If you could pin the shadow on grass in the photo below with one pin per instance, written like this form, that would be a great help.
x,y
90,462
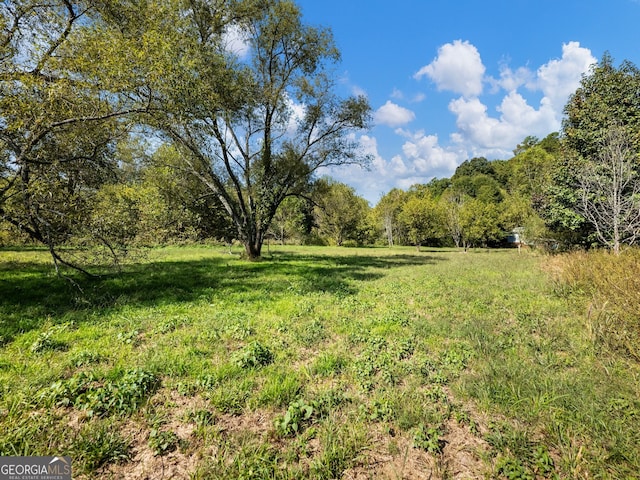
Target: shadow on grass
x,y
31,295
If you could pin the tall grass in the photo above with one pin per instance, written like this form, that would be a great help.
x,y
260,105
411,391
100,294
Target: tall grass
x,y
611,284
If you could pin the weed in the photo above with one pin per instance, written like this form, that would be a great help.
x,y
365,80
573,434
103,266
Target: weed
x,y
254,355
162,441
328,363
513,469
46,343
341,446
311,333
84,391
279,390
86,357
405,348
240,331
379,411
429,439
232,397
298,416
167,326
201,417
129,338
247,461
543,463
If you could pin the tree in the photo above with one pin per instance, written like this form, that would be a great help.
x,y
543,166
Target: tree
x,y
451,204
255,129
422,217
58,122
340,213
480,223
610,191
606,100
294,219
387,211
607,97
475,166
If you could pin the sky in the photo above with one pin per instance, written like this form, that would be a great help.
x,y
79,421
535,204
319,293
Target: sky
x,y
451,80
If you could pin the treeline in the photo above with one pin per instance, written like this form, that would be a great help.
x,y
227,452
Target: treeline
x,y
140,123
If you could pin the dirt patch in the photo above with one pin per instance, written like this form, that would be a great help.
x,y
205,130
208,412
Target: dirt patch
x,y
144,463
183,462
393,457
461,456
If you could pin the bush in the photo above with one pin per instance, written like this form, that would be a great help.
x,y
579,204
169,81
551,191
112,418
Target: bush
x,y
612,285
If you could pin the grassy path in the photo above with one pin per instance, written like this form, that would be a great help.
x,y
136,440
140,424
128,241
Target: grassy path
x,y
314,363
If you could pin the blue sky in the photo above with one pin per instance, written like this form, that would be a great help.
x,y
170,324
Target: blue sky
x,y
451,80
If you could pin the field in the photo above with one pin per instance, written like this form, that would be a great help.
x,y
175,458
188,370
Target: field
x,y
313,363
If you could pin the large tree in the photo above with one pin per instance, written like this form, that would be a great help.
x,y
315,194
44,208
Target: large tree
x,y
610,191
58,122
606,102
387,211
255,123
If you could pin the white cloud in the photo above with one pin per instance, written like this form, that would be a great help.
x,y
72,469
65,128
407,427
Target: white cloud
x,y
427,156
458,68
297,112
398,95
358,91
398,166
561,77
393,115
488,136
482,133
370,147
511,80
489,126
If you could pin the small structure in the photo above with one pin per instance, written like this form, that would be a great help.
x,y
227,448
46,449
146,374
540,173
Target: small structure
x,y
516,238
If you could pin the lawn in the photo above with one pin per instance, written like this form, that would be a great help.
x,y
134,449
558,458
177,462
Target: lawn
x,y
315,362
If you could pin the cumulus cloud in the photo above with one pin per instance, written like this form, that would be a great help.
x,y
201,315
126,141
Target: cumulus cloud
x,y
485,125
398,95
561,77
393,115
457,68
495,135
427,156
510,80
484,135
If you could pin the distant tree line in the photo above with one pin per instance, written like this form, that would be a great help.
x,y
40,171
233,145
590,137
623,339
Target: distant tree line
x,y
141,123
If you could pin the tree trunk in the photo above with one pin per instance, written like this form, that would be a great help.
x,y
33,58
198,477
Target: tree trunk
x,y
253,249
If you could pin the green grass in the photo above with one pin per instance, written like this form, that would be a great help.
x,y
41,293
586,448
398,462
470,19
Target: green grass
x,y
315,362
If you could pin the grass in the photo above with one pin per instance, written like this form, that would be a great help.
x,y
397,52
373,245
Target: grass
x,y
313,363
